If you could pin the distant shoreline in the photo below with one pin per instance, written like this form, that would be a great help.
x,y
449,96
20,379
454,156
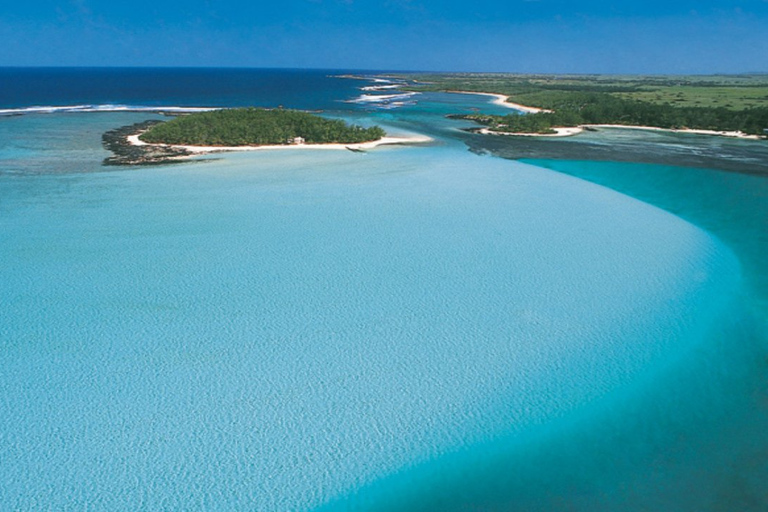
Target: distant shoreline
x,y
569,131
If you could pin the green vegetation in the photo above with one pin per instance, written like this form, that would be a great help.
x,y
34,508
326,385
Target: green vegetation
x,y
579,108
735,92
722,103
733,98
540,123
256,127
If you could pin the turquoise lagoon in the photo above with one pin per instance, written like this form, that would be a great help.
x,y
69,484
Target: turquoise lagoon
x,y
416,328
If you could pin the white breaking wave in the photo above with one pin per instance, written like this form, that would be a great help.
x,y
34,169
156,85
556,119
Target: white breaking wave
x,y
383,98
100,108
380,87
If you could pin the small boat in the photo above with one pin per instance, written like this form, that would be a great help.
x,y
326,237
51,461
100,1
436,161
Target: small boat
x,y
355,150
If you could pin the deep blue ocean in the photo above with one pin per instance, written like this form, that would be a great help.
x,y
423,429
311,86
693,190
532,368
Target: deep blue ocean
x,y
426,327
26,87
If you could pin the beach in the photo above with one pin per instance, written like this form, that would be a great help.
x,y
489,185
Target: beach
x,y
731,134
569,131
501,100
200,150
559,132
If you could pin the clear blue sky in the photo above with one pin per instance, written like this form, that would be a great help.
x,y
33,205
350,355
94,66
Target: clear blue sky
x,y
651,36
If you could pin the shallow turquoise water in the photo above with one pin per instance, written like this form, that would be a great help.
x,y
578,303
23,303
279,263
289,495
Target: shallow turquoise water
x,y
414,328
732,206
275,331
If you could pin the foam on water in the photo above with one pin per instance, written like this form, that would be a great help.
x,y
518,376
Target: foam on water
x,y
386,101
70,109
278,331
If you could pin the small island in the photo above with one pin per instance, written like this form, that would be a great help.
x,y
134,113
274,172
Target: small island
x,y
238,129
257,127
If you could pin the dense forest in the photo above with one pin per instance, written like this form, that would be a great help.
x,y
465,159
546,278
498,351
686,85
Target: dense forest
x,y
256,127
578,108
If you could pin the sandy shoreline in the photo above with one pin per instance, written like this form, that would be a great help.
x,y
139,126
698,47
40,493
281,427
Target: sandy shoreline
x,y
501,99
570,131
732,134
559,132
201,150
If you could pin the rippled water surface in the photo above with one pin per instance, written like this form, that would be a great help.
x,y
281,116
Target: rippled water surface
x,y
413,328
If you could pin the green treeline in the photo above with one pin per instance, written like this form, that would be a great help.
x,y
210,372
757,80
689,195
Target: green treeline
x,y
256,127
721,103
577,108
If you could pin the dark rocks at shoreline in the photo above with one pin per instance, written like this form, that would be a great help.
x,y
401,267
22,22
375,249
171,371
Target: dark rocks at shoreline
x,y
125,153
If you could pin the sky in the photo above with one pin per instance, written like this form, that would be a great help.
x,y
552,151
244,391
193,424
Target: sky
x,y
549,36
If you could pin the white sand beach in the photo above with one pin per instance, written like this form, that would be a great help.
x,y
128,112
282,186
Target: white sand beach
x,y
501,100
568,131
733,134
559,132
384,141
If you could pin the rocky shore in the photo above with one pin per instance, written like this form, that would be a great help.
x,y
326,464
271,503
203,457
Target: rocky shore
x,y
125,153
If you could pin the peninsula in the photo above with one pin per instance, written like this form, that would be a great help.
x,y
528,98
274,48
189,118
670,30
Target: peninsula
x,y
735,106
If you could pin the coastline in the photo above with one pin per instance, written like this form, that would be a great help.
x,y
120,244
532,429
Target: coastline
x,y
560,132
128,149
501,99
569,131
202,150
720,133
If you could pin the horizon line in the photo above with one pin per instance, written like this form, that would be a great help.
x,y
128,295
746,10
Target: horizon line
x,y
379,71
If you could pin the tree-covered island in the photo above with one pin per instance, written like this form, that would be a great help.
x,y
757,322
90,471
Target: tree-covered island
x,y
257,127
156,142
